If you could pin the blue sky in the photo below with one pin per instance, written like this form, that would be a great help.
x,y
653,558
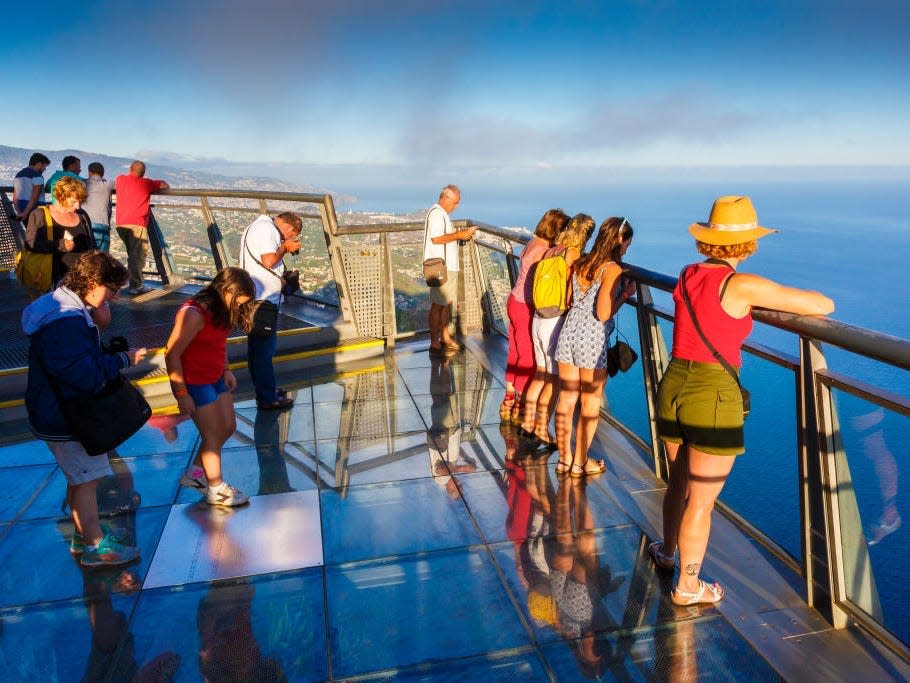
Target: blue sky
x,y
504,90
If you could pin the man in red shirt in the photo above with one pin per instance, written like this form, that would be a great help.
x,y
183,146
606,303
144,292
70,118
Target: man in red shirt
x,y
133,191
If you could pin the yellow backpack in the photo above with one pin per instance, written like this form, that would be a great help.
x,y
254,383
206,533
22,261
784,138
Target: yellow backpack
x,y
33,269
550,283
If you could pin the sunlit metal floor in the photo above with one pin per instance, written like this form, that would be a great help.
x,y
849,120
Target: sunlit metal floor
x,y
395,531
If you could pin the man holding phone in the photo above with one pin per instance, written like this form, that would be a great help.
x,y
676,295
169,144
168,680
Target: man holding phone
x,y
263,247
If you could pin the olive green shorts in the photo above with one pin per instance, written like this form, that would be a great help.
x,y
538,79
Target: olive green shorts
x,y
701,405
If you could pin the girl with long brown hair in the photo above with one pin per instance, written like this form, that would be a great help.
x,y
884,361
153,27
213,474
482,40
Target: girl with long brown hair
x,y
598,293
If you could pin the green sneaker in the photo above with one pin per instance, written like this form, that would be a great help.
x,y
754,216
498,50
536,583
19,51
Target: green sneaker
x,y
77,544
109,553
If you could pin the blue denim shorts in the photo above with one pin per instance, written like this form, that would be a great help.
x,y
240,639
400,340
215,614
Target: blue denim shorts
x,y
203,394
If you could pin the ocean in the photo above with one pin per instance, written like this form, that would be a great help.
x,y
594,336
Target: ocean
x,y
848,239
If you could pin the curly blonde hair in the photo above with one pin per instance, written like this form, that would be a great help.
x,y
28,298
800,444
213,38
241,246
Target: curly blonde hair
x,y
723,251
68,189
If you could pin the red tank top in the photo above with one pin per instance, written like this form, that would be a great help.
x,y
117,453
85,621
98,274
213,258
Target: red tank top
x,y
725,332
204,357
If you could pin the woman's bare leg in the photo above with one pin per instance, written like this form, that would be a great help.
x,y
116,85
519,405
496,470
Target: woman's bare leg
x,y
592,387
707,476
216,423
565,410
675,495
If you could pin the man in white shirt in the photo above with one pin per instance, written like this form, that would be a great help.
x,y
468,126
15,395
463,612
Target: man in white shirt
x,y
441,241
262,248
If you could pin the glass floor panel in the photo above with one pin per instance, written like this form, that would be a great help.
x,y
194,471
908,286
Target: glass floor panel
x,y
395,531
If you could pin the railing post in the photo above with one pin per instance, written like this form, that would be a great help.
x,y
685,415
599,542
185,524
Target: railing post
x,y
216,241
654,359
164,261
333,245
835,557
389,321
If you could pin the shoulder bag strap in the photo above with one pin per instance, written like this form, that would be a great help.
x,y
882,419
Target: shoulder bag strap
x,y
261,264
48,222
714,352
426,234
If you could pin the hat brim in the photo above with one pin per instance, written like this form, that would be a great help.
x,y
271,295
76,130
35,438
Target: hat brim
x,y
705,233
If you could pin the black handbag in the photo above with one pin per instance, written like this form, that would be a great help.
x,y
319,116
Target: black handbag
x,y
747,397
620,357
264,318
105,420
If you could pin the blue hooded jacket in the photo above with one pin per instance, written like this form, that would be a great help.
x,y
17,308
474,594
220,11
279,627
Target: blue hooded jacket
x,y
65,348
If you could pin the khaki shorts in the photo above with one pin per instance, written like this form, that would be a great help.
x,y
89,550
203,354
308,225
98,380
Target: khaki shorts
x,y
445,295
700,404
78,466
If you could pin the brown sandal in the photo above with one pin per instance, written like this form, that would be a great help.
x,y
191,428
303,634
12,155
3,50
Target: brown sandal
x,y
587,470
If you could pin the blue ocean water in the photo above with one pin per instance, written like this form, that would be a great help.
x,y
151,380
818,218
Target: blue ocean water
x,y
847,239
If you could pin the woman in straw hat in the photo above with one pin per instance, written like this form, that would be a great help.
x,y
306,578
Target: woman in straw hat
x,y
699,404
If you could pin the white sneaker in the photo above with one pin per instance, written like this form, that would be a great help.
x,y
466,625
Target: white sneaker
x,y
194,478
226,495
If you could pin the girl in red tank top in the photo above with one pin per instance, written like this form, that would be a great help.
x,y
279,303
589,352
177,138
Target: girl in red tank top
x,y
202,382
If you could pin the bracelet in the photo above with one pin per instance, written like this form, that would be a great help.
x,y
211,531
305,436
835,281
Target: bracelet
x,y
180,393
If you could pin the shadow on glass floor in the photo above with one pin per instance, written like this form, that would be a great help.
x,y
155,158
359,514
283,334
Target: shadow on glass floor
x,y
395,530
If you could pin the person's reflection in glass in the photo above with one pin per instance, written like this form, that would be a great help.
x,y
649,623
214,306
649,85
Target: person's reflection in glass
x,y
267,434
530,498
444,434
228,650
110,634
167,425
871,433
577,581
675,650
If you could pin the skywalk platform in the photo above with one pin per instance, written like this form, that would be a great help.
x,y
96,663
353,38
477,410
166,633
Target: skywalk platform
x,y
396,531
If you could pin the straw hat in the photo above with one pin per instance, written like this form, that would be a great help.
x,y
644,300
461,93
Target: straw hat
x,y
732,221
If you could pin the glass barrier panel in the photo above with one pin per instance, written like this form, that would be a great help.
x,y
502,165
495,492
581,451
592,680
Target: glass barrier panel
x,y
874,441
232,223
498,286
316,278
186,238
624,394
412,302
764,484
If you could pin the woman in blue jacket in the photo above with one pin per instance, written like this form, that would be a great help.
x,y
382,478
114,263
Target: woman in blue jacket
x,y
65,360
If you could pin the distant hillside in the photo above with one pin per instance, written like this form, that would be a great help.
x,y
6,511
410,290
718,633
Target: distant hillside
x,y
12,159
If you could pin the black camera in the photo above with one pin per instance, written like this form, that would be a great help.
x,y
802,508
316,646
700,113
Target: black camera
x,y
117,344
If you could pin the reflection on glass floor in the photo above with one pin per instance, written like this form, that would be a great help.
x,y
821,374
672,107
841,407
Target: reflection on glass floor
x,y
396,530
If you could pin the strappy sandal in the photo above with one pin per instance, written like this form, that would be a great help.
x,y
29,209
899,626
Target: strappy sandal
x,y
661,561
587,470
505,408
562,468
707,594
516,411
